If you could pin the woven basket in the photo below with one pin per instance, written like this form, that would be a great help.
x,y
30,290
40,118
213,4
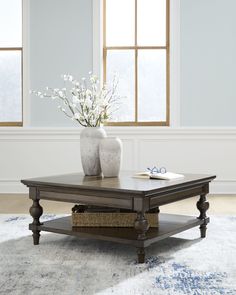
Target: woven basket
x,y
101,219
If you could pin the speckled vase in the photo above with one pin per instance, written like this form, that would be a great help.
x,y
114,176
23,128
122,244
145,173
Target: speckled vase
x,y
110,151
90,138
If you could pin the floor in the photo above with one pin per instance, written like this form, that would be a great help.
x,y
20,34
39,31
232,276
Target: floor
x,y
219,205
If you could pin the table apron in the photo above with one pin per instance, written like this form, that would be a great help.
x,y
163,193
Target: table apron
x,y
132,202
126,203
181,194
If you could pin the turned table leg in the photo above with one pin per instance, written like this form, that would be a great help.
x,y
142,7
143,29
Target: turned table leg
x,y
141,226
141,254
35,211
203,206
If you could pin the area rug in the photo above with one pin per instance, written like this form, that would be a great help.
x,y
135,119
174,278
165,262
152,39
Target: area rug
x,y
183,264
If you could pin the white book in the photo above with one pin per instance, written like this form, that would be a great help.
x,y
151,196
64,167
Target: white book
x,y
163,176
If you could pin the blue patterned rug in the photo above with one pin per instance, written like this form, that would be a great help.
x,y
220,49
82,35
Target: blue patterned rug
x,y
184,264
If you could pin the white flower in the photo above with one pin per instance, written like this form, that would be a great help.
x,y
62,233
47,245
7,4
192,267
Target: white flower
x,y
88,92
76,116
93,79
88,103
92,101
60,93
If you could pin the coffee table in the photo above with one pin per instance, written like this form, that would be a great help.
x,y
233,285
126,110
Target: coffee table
x,y
126,192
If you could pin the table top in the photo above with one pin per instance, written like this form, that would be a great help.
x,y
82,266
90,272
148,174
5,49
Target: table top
x,y
124,183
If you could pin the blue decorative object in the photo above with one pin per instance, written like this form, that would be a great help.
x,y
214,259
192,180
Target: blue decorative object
x,y
181,279
155,169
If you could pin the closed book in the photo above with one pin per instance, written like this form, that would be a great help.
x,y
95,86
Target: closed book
x,y
162,176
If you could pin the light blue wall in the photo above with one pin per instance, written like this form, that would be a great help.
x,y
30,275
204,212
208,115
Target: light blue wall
x,y
208,63
60,42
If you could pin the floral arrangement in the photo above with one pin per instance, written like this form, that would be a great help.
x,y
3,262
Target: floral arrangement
x,y
85,101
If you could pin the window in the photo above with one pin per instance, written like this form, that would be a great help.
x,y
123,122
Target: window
x,y
11,63
136,47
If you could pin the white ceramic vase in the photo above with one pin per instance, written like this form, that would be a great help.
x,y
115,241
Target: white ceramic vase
x,y
90,138
110,151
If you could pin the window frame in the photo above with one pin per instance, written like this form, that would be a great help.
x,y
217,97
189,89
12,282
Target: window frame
x,y
20,123
136,48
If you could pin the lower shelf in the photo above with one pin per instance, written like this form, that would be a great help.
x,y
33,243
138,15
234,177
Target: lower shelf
x,y
169,225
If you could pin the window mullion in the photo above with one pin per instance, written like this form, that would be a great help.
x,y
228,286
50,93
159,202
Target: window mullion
x,y
104,64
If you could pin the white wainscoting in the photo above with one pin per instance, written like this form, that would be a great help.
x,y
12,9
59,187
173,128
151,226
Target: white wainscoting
x,y
31,152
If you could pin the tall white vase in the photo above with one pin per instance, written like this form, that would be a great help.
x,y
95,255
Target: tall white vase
x,y
90,138
110,151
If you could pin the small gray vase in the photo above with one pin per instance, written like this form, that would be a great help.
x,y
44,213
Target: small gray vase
x,y
110,151
90,138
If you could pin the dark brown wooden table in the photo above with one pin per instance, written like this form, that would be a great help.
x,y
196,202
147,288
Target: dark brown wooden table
x,y
124,192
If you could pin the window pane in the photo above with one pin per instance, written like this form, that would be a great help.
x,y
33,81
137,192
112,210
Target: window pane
x,y
120,21
10,23
121,62
152,85
10,86
152,22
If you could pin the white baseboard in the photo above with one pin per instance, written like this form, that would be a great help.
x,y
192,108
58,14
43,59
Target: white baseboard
x,y
216,187
12,187
226,187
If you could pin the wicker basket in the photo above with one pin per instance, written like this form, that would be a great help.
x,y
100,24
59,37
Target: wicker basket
x,y
101,219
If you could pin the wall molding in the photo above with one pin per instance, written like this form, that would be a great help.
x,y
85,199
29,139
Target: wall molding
x,y
12,186
224,187
30,152
31,133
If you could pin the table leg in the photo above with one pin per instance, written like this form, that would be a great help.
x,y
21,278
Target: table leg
x,y
141,254
141,226
35,211
203,206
